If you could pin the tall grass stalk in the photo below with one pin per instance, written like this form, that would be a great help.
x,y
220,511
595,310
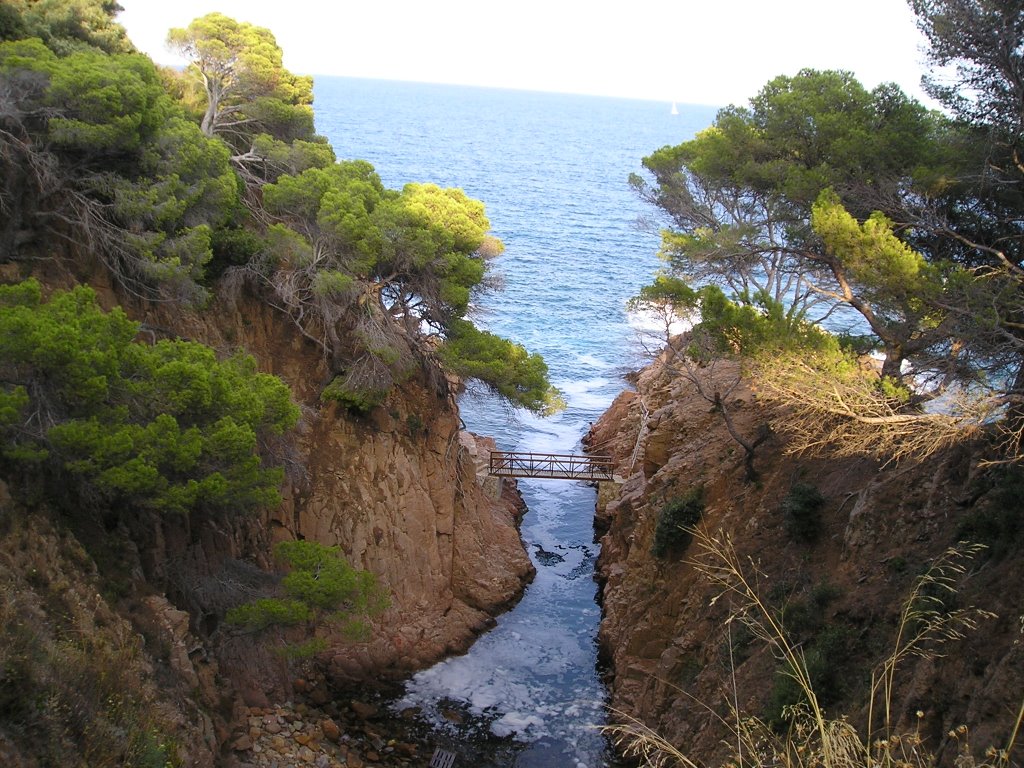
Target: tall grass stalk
x,y
925,624
815,740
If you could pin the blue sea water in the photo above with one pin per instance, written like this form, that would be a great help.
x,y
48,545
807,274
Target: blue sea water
x,y
552,170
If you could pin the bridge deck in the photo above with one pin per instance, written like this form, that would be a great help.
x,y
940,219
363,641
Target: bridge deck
x,y
559,466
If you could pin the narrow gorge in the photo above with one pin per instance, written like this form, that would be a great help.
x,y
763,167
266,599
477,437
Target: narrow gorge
x,y
254,360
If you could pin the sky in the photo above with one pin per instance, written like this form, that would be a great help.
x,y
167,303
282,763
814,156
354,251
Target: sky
x,y
713,52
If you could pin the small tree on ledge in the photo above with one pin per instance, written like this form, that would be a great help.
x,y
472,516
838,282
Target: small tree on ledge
x,y
320,588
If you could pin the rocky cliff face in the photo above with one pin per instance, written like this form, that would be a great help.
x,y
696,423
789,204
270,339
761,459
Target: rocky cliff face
x,y
677,661
403,492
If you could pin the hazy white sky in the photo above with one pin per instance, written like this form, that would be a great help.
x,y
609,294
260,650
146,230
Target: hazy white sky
x,y
710,52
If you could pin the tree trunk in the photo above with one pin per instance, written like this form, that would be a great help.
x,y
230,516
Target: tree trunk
x,y
207,125
214,92
892,365
749,446
1015,412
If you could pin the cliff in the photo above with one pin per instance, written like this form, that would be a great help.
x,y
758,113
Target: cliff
x,y
836,572
400,491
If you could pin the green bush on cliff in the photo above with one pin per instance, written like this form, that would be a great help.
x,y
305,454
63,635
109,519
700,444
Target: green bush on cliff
x,y
355,398
675,520
801,510
321,586
119,424
995,520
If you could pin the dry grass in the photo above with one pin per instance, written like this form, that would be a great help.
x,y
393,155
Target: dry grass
x,y
815,739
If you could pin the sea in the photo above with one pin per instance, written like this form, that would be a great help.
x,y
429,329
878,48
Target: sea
x,y
552,171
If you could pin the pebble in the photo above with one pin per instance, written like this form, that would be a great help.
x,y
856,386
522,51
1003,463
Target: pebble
x,y
364,711
331,730
299,736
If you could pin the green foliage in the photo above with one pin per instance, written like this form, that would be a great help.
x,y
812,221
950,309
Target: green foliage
x,y
505,367
232,247
359,399
871,252
902,287
108,104
76,699
305,650
332,283
322,579
374,275
167,427
750,326
449,211
828,671
249,92
66,26
978,87
667,290
415,424
270,612
128,173
675,520
419,245
802,134
421,253
354,190
321,586
296,156
801,512
792,248
187,187
801,617
101,105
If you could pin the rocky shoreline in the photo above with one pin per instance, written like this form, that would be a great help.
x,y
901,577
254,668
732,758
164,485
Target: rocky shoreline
x,y
335,734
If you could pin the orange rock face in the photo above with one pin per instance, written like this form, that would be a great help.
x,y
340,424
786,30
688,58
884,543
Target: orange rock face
x,y
680,659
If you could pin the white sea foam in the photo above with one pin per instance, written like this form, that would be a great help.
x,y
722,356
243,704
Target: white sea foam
x,y
652,324
592,361
591,395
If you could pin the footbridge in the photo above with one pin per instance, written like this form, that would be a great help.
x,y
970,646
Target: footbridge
x,y
559,466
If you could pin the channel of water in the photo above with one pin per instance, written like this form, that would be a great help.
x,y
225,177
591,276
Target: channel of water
x,y
552,170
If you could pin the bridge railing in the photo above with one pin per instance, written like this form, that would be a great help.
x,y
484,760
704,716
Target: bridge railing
x,y
551,465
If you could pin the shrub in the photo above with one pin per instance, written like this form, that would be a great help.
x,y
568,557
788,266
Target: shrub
x,y
505,367
231,248
675,520
167,426
801,510
320,586
827,661
80,699
360,400
270,612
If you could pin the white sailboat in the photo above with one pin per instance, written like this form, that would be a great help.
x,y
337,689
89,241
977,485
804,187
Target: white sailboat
x,y
675,109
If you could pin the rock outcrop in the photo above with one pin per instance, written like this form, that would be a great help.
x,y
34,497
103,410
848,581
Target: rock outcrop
x,y
399,491
677,659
